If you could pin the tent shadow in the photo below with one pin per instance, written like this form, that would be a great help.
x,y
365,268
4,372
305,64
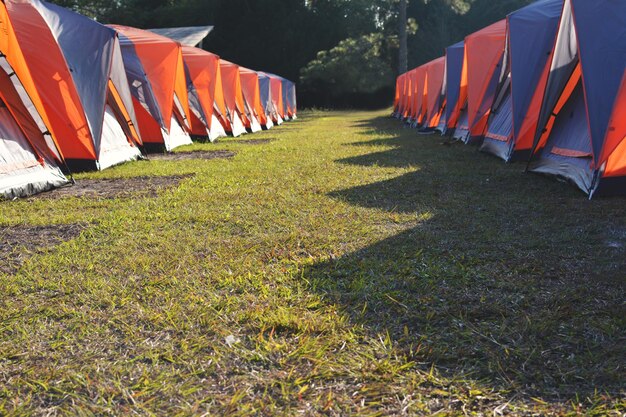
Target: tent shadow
x,y
507,278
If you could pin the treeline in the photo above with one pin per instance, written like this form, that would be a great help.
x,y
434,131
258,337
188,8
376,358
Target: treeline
x,y
358,38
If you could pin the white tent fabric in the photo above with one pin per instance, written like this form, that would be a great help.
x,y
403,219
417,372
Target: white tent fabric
x,y
114,148
21,173
177,137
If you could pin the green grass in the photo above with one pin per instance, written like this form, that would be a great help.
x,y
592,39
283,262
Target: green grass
x,y
360,268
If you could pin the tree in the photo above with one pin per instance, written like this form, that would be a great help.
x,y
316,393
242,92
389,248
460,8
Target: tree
x,y
355,68
403,53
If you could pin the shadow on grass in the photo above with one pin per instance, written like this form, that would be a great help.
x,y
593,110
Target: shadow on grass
x,y
515,279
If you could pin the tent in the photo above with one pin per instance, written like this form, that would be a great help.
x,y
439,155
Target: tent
x,y
29,157
456,84
156,73
484,54
418,104
233,97
581,127
265,90
72,70
513,120
290,98
252,94
403,101
434,100
397,95
288,90
204,88
406,102
277,95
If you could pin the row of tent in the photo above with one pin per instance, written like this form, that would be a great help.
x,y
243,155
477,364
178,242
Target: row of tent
x,y
76,95
546,86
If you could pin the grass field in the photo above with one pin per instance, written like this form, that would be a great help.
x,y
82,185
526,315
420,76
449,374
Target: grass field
x,y
348,266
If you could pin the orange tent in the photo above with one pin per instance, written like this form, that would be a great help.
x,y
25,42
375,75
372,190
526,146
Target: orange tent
x,y
407,102
156,73
277,96
88,107
233,97
206,98
484,52
398,94
418,109
29,157
434,99
252,95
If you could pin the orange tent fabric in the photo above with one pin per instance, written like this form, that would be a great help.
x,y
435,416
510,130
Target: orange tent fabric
x,y
484,51
407,102
614,151
396,97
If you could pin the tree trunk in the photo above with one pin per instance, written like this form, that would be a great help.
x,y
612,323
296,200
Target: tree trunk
x,y
403,55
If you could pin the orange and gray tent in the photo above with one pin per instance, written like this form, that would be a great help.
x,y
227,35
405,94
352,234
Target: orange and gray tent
x,y
29,158
204,88
398,95
276,85
250,85
514,114
405,96
418,104
289,98
582,129
434,99
265,89
72,71
156,73
289,105
484,54
233,97
400,105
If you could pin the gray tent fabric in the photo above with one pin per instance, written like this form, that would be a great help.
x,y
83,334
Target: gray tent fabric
x,y
186,36
120,81
564,61
568,153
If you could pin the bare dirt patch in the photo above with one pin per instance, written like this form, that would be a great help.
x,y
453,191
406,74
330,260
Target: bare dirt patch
x,y
18,243
110,188
179,156
251,141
